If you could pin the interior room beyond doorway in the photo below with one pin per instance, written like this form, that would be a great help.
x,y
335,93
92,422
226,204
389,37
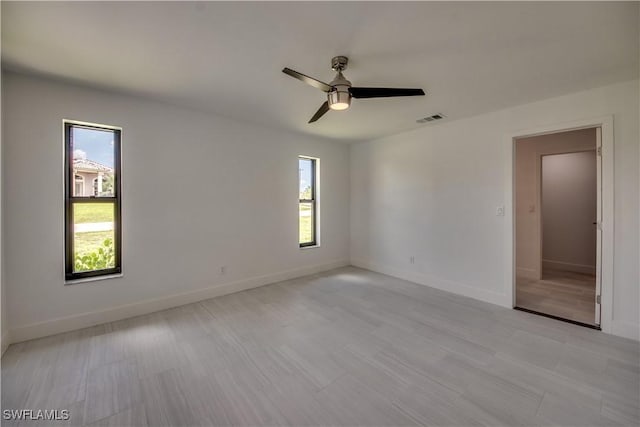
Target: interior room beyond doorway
x,y
556,225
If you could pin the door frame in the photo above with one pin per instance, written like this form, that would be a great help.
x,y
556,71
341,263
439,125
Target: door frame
x,y
605,123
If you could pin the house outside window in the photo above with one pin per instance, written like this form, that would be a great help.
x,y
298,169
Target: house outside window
x,y
94,172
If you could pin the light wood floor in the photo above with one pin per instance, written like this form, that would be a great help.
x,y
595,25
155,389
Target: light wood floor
x,y
561,293
344,348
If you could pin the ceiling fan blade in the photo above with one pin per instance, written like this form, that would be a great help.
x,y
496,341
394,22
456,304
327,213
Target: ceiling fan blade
x,y
383,92
308,80
321,112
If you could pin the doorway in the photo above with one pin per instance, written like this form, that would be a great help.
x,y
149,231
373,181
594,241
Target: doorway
x,y
558,211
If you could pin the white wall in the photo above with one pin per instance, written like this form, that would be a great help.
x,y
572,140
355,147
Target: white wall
x,y
432,194
527,179
4,330
199,192
569,202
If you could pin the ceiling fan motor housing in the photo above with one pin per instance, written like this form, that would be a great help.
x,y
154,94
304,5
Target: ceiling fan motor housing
x,y
339,97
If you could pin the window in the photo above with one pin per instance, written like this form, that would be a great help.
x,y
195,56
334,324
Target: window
x,y
79,188
308,206
92,215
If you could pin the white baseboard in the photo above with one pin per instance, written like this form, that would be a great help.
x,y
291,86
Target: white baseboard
x,y
527,273
437,283
626,329
4,342
567,266
84,320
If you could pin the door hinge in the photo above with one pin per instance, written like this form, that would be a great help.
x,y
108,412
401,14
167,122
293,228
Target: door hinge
x,y
599,151
597,299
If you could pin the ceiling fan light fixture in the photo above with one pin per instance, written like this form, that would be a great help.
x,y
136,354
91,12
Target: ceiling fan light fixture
x,y
339,99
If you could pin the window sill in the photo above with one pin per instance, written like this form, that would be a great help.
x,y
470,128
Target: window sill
x,y
93,279
309,247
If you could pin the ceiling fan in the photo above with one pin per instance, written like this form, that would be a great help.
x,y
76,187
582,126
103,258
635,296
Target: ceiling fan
x,y
339,91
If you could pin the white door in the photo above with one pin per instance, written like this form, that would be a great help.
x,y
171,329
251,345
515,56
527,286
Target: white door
x,y
598,223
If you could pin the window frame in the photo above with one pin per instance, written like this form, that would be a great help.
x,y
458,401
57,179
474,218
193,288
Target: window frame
x,y
313,201
70,200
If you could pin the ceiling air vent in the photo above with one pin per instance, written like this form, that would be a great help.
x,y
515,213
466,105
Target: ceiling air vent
x,y
437,116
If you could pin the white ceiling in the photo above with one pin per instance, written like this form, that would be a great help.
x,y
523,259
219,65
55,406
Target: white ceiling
x,y
227,57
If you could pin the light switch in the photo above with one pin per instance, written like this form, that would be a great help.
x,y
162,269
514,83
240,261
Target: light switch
x,y
500,211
